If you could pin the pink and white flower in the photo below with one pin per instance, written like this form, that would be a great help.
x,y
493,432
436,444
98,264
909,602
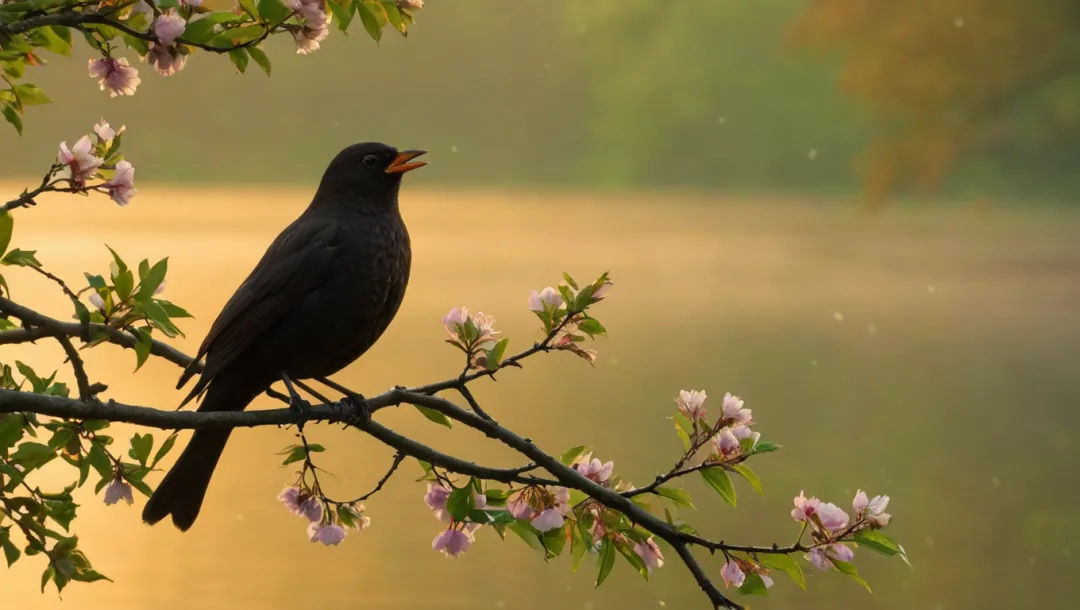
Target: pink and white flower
x,y
822,556
549,519
832,517
593,469
520,509
104,132
732,409
329,534
805,508
872,509
546,299
650,554
311,509
80,159
727,445
732,574
121,189
410,4
436,498
691,403
452,542
118,490
166,59
169,26
114,75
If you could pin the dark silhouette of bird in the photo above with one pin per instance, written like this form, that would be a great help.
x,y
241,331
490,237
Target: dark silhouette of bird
x,y
323,293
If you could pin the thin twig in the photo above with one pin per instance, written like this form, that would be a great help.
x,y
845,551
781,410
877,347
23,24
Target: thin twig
x,y
399,457
77,367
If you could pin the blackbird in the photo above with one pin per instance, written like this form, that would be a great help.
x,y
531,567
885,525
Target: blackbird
x,y
321,296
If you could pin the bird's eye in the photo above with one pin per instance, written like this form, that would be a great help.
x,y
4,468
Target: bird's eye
x,y
371,160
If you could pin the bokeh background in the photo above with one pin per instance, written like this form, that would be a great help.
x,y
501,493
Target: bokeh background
x,y
857,215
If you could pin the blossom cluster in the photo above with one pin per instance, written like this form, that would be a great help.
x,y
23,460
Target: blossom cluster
x,y
323,525
86,159
828,522
167,49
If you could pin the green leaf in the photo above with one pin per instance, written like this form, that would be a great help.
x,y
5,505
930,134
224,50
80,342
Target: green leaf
x,y
239,59
164,449
753,585
31,95
370,21
141,445
679,496
202,30
873,540
249,8
297,454
719,480
495,354
343,12
159,319
572,454
12,116
527,533
260,58
393,15
570,280
751,477
240,35
124,282
99,459
606,561
460,503
53,38
592,327
683,428
142,346
174,311
11,552
581,543
273,11
7,225
32,455
21,258
11,430
765,447
435,416
150,280
784,563
851,571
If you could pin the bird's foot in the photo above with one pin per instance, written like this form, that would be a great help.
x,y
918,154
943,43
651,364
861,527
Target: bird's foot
x,y
362,411
301,408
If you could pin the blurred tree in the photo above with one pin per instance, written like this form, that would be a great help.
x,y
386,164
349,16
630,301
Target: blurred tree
x,y
990,84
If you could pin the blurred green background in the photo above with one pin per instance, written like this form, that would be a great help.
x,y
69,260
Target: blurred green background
x,y
700,150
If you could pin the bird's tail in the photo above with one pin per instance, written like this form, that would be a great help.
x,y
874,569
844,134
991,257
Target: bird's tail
x,y
182,490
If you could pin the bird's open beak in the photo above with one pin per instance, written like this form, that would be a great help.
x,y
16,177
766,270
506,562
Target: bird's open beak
x,y
401,164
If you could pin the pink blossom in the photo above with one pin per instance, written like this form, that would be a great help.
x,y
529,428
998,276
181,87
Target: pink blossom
x,y
115,75
97,301
804,508
454,321
822,556
741,432
166,59
122,188
875,510
104,132
410,4
118,490
311,509
309,36
452,542
598,530
519,508
548,520
690,404
594,469
726,444
169,26
732,408
479,500
436,498
650,554
548,298
80,159
732,574
329,534
766,579
485,324
312,10
859,503
562,500
602,290
832,517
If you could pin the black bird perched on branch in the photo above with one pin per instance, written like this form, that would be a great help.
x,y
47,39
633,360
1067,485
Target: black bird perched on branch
x,y
322,295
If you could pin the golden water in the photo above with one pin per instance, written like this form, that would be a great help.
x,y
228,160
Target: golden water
x,y
930,354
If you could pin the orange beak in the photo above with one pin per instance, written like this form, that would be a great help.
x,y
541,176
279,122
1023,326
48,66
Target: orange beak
x,y
401,164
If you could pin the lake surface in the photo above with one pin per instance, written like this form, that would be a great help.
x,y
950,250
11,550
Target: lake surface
x,y
932,354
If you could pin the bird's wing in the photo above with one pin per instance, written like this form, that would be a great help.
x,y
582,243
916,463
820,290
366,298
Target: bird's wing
x,y
295,264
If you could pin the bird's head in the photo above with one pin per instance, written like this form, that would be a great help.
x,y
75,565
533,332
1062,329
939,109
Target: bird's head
x,y
368,174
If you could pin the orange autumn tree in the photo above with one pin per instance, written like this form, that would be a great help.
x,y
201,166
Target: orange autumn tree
x,y
950,82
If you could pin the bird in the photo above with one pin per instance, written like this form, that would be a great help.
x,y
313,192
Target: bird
x,y
322,294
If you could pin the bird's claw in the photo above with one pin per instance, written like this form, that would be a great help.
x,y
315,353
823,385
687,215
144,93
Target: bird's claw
x,y
361,413
301,408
